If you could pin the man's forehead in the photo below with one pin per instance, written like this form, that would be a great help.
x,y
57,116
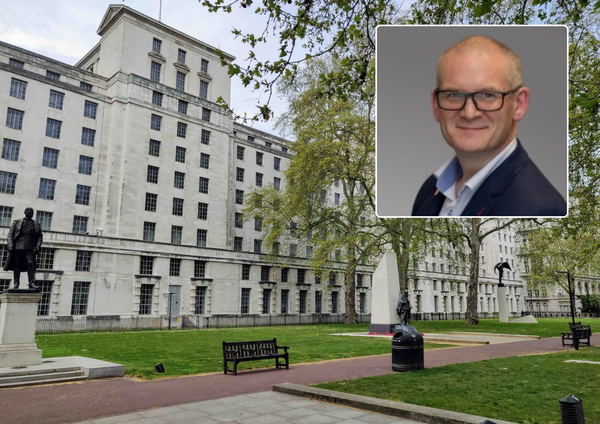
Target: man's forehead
x,y
475,72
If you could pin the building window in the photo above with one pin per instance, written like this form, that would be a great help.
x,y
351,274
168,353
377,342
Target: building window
x,y
182,107
56,100
245,272
50,158
266,307
237,244
181,56
239,197
359,280
45,258
199,269
154,149
179,179
200,300
155,122
334,302
203,90
239,220
309,251
245,301
239,174
362,303
80,224
90,109
318,302
240,152
177,206
301,276
181,129
45,219
332,279
83,261
337,199
317,278
14,118
284,275
157,98
204,160
303,301
268,145
44,305
53,128
285,294
251,139
180,81
80,298
16,63
3,255
146,299
206,114
155,71
85,165
259,158
149,231
174,267
150,204
85,86
205,137
6,215
201,236
284,149
277,183
88,136
46,189
293,249
204,65
10,149
203,185
156,44
82,194
277,163
18,88
53,75
257,246
146,265
152,174
258,223
202,211
176,233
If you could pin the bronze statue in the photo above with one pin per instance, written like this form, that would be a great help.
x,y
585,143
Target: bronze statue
x,y
24,241
500,266
403,307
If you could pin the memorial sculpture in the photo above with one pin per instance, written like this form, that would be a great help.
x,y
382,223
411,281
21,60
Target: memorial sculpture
x,y
24,241
500,266
403,308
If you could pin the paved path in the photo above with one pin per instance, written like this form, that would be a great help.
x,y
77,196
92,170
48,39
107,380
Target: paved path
x,y
103,398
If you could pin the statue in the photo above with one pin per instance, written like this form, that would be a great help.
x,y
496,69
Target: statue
x,y
500,267
24,241
403,307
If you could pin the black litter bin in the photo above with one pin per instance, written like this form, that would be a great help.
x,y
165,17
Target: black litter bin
x,y
407,351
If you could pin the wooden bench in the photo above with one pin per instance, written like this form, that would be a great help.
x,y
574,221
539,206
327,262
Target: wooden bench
x,y
253,351
581,332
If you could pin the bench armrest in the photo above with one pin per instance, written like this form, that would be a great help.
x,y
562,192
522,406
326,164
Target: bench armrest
x,y
283,347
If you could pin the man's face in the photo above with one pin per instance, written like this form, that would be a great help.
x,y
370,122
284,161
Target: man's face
x,y
469,131
29,213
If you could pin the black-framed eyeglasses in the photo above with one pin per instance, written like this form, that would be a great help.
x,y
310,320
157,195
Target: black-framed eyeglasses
x,y
485,101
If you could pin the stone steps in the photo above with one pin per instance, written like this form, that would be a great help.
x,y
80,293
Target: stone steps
x,y
30,378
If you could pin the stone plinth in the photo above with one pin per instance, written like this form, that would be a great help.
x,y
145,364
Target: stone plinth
x,y
386,288
503,304
18,315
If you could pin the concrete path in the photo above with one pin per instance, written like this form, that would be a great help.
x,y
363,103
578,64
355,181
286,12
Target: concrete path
x,y
456,337
104,398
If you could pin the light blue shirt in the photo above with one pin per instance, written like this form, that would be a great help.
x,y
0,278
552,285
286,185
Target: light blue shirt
x,y
451,171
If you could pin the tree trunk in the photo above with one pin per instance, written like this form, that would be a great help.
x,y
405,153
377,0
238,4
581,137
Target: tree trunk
x,y
350,300
475,243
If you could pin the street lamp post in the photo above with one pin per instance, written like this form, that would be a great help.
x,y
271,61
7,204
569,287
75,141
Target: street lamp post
x,y
170,294
572,303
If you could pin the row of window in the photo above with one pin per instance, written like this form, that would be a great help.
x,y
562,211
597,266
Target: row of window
x,y
303,294
149,234
268,144
49,74
47,188
14,119
11,150
156,124
259,158
179,177
240,173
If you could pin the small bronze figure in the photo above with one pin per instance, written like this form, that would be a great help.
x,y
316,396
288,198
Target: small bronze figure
x,y
403,307
500,267
24,241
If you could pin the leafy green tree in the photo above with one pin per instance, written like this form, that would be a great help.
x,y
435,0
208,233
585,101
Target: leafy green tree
x,y
590,303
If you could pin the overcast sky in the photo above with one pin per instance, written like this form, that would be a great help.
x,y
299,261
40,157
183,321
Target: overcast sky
x,y
65,30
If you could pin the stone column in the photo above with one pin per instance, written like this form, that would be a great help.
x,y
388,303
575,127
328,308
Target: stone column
x,y
502,304
18,315
386,288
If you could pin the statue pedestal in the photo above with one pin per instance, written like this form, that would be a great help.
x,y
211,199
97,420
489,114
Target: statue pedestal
x,y
18,315
385,295
503,304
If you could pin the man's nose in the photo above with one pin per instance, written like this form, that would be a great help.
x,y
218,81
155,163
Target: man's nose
x,y
470,111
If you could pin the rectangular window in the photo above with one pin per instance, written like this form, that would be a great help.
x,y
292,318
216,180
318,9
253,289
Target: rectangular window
x,y
239,174
88,136
203,90
237,244
14,118
181,129
90,109
204,65
155,122
53,128
180,154
204,160
44,304
154,149
205,137
199,269
240,152
85,165
245,272
181,56
157,98
50,158
56,100
332,281
285,294
149,231
80,298
268,145
203,185
318,302
309,251
182,107
177,206
6,215
245,301
277,183
179,179
259,158
47,189
239,220
146,299
80,224
259,179
180,81
83,261
202,211
146,265
176,234
284,149
206,114
85,86
251,139
11,149
174,267
156,44
258,223
284,275
362,303
155,71
276,246
359,280
277,163
18,88
200,300
239,197
82,194
45,219
303,301
334,302
152,174
301,275
53,75
16,63
293,248
3,256
201,236
266,303
45,258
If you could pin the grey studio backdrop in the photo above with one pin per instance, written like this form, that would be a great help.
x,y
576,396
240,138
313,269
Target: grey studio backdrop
x,y
409,144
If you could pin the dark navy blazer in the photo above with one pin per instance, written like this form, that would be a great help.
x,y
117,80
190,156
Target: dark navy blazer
x,y
516,188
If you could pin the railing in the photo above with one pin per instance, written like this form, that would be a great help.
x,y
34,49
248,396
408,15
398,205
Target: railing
x,y
447,316
539,314
229,321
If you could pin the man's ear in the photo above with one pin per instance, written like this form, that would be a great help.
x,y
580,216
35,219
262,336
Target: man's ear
x,y
522,97
434,106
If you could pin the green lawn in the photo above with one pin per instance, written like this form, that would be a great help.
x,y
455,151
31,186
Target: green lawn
x,y
521,389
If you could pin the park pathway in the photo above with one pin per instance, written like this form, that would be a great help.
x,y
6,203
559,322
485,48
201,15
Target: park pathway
x,y
67,403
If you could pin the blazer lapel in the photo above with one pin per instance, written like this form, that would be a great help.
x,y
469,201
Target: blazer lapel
x,y
432,204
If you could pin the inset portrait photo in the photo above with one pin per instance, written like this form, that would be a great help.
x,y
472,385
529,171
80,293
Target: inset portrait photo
x,y
472,121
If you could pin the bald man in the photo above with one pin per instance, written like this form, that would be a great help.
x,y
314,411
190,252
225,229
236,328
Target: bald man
x,y
478,102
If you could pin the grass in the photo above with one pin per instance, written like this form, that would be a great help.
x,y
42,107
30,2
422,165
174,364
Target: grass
x,y
520,389
187,352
